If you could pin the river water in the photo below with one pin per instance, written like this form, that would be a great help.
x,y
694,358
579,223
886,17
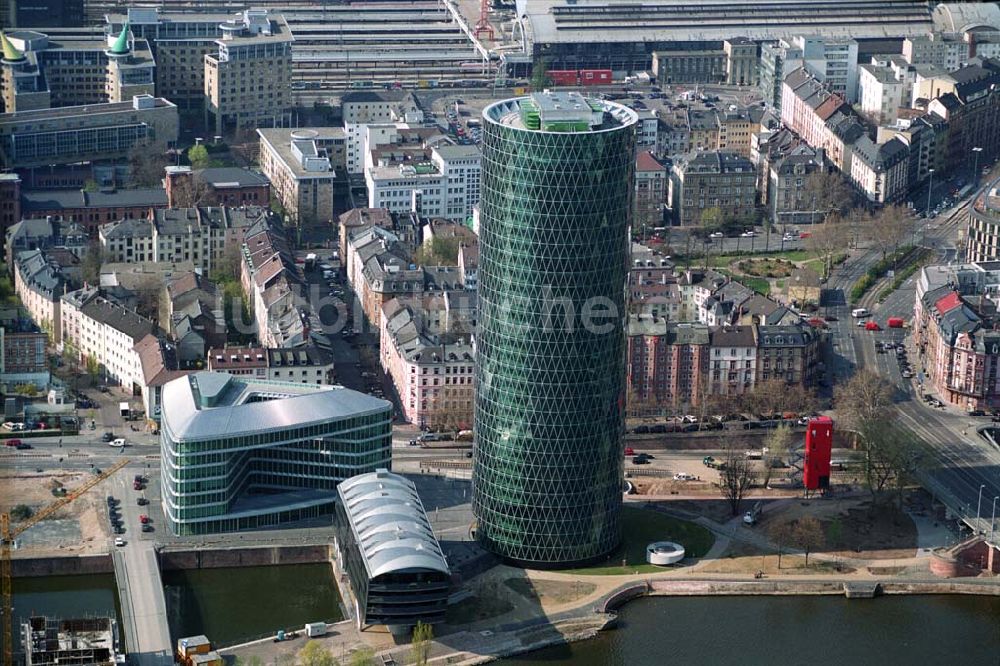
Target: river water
x,y
64,597
767,631
238,604
228,605
233,605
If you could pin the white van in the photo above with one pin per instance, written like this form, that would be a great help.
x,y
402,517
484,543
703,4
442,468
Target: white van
x,y
858,313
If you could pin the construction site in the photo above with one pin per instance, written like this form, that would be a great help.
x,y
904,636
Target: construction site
x,y
71,642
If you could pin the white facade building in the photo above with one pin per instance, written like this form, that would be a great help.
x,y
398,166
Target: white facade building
x,y
446,186
834,61
106,332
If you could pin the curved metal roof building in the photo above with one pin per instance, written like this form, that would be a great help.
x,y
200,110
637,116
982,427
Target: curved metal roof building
x,y
388,549
389,524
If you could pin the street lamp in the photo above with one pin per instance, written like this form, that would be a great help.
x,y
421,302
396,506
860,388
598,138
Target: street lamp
x,y
930,188
975,166
993,519
979,505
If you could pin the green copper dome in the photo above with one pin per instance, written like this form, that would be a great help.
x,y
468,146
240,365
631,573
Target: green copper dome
x,y
10,53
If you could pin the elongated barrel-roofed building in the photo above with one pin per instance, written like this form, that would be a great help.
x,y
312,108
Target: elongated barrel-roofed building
x,y
398,573
238,453
558,173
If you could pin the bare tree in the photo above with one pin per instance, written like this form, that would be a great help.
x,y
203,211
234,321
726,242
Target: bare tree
x,y
145,166
890,228
245,147
736,478
781,533
808,535
890,455
778,443
148,295
829,238
829,191
864,400
92,261
190,192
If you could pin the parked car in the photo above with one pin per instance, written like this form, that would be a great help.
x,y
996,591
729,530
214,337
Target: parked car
x,y
641,430
146,527
977,412
21,446
13,442
684,476
119,542
143,518
142,501
639,460
108,436
118,443
629,451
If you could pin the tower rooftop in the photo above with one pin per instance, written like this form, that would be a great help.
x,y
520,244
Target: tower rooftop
x,y
560,112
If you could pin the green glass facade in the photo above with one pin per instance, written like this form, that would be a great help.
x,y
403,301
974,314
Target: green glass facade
x,y
255,473
555,214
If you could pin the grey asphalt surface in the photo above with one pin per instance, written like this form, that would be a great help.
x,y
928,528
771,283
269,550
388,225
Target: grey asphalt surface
x,y
961,460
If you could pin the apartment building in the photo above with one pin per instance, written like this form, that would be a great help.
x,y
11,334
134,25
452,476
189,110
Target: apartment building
x,y
716,179
955,332
881,171
199,235
787,176
667,365
788,352
379,268
248,80
40,283
821,119
650,192
271,284
885,86
732,360
42,234
306,170
307,364
357,219
653,284
72,134
969,101
39,72
107,332
435,381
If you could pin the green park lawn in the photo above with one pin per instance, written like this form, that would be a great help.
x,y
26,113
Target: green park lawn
x,y
641,527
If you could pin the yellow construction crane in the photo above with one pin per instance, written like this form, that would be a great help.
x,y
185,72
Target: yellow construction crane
x,y
7,536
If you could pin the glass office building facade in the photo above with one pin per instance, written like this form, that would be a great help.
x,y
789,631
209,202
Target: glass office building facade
x,y
555,213
240,454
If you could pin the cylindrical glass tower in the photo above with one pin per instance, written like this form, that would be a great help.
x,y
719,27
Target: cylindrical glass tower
x,y
555,213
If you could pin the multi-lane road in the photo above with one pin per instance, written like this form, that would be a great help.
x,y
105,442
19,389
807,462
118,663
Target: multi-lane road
x,y
962,468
